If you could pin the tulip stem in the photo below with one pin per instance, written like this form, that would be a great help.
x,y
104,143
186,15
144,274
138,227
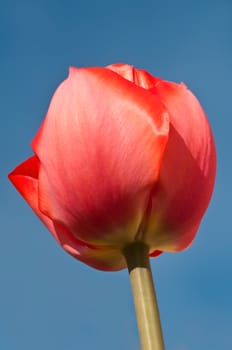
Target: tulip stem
x,y
146,307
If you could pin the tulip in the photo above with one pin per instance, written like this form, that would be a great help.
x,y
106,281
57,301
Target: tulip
x,y
124,169
121,157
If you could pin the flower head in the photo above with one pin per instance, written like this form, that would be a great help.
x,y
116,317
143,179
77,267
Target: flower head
x,y
121,156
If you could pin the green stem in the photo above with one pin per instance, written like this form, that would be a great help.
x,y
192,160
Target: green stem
x,y
146,307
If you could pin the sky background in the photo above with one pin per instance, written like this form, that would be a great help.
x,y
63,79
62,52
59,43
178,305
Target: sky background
x,y
48,300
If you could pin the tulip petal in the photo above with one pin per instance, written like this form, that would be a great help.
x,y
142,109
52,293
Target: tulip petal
x,y
187,173
138,76
106,258
100,150
25,179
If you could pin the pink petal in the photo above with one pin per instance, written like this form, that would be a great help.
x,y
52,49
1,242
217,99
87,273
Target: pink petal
x,y
25,179
100,149
138,76
187,173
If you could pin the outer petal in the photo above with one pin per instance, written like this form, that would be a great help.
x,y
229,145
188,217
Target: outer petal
x,y
187,173
100,149
25,179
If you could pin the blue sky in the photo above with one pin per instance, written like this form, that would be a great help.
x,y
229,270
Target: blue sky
x,y
48,299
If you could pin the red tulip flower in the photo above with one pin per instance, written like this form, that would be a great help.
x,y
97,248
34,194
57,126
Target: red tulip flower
x,y
121,156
